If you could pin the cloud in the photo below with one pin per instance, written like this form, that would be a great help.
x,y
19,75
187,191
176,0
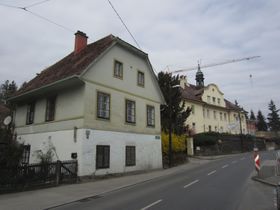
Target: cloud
x,y
177,33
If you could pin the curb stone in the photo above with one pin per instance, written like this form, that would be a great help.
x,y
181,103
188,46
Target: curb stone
x,y
255,178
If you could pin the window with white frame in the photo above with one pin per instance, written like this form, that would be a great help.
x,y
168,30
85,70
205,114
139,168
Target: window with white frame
x,y
208,113
208,99
130,111
214,100
140,78
214,115
221,116
118,69
50,108
103,105
30,113
150,116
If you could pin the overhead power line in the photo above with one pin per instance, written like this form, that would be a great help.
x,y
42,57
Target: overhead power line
x,y
124,24
37,15
36,3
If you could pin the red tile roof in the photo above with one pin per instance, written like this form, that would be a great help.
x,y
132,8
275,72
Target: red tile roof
x,y
69,66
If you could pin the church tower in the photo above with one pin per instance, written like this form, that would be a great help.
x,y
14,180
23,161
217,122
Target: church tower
x,y
199,78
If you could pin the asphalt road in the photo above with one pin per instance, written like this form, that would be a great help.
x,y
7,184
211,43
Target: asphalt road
x,y
221,184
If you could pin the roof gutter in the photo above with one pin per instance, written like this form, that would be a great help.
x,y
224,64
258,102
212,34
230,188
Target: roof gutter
x,y
44,89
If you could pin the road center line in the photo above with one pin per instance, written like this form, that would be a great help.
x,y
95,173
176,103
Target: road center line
x,y
191,183
212,172
152,204
225,166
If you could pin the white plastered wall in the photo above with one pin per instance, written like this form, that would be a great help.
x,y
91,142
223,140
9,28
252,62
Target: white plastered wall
x,y
148,149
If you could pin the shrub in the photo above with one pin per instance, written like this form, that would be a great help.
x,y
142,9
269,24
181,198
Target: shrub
x,y
178,143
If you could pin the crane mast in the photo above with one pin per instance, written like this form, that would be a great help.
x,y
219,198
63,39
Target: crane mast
x,y
216,64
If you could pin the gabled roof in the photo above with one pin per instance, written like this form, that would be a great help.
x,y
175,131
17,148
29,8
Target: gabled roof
x,y
72,64
194,93
68,70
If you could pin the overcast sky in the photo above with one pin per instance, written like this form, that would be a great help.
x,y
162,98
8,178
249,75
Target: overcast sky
x,y
174,33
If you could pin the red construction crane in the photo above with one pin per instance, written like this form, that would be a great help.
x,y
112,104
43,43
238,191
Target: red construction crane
x,y
215,64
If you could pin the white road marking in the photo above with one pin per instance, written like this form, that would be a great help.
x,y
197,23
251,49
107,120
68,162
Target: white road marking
x,y
234,161
225,166
212,172
191,183
152,204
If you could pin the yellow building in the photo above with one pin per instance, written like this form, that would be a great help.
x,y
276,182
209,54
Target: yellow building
x,y
210,110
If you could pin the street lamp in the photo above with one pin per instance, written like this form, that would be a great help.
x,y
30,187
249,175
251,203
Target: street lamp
x,y
170,152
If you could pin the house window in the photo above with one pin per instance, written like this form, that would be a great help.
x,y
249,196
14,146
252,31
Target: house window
x,y
130,111
50,109
25,154
118,69
150,116
208,113
209,128
130,156
30,113
225,116
221,116
203,113
208,99
219,101
193,111
103,105
140,78
102,156
214,100
214,113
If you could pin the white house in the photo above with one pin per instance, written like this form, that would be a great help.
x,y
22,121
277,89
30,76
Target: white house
x,y
100,104
210,110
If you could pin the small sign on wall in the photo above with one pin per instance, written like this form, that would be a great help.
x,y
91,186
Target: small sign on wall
x,y
157,137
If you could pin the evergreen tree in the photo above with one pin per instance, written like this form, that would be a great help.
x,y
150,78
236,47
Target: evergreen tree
x,y
273,117
7,89
174,108
252,116
261,124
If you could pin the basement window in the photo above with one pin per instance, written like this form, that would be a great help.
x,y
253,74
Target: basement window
x,y
102,156
130,156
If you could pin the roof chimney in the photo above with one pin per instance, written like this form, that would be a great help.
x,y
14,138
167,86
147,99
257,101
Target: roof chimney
x,y
80,41
183,81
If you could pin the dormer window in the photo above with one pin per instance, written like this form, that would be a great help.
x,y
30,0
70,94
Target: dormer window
x,y
140,79
214,100
118,69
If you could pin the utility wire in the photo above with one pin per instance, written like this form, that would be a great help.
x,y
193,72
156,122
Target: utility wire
x,y
50,21
124,24
37,15
36,3
10,6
